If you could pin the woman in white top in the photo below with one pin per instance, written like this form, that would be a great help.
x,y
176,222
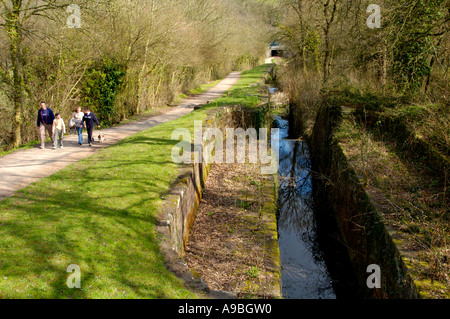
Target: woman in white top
x,y
78,117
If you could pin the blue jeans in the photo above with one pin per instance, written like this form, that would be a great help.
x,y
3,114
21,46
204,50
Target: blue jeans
x,y
80,134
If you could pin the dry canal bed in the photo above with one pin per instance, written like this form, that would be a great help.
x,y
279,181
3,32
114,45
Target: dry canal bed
x,y
233,243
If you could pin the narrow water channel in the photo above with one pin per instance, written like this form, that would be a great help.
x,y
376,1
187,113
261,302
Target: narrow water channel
x,y
304,272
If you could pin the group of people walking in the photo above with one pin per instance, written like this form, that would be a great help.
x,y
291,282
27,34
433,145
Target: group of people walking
x,y
52,123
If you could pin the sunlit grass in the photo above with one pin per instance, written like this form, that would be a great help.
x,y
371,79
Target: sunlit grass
x,y
100,214
243,93
203,88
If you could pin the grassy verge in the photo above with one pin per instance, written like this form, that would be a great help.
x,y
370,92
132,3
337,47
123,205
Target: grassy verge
x,y
247,92
203,88
429,122
411,199
99,214
20,148
198,90
144,115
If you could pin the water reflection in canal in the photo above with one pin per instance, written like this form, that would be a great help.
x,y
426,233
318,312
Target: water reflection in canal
x,y
304,273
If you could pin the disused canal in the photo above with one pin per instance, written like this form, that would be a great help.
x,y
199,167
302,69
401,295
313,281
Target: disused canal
x,y
304,272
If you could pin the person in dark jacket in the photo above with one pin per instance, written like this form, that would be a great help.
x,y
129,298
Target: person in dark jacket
x,y
90,119
45,120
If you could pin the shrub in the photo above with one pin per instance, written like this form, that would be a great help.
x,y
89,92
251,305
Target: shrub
x,y
101,85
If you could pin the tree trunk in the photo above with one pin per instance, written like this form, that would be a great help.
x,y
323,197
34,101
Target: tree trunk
x,y
384,58
329,19
326,58
144,65
15,51
427,81
433,60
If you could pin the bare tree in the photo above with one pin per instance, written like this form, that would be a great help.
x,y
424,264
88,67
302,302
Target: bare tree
x,y
13,17
329,13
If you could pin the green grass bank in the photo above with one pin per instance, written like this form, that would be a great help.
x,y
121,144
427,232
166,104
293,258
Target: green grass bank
x,y
100,214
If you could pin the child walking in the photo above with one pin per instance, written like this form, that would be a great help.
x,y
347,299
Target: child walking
x,y
59,129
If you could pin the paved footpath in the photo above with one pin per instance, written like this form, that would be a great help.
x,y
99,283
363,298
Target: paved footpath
x,y
21,168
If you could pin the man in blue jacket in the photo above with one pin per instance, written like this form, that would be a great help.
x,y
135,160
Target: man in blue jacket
x,y
90,119
45,120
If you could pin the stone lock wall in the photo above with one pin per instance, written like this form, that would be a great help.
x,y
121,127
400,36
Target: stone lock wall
x,y
340,198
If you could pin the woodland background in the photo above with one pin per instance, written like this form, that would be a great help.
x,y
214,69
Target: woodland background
x,y
131,56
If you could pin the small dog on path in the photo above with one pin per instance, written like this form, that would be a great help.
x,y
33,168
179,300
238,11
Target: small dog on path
x,y
101,137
